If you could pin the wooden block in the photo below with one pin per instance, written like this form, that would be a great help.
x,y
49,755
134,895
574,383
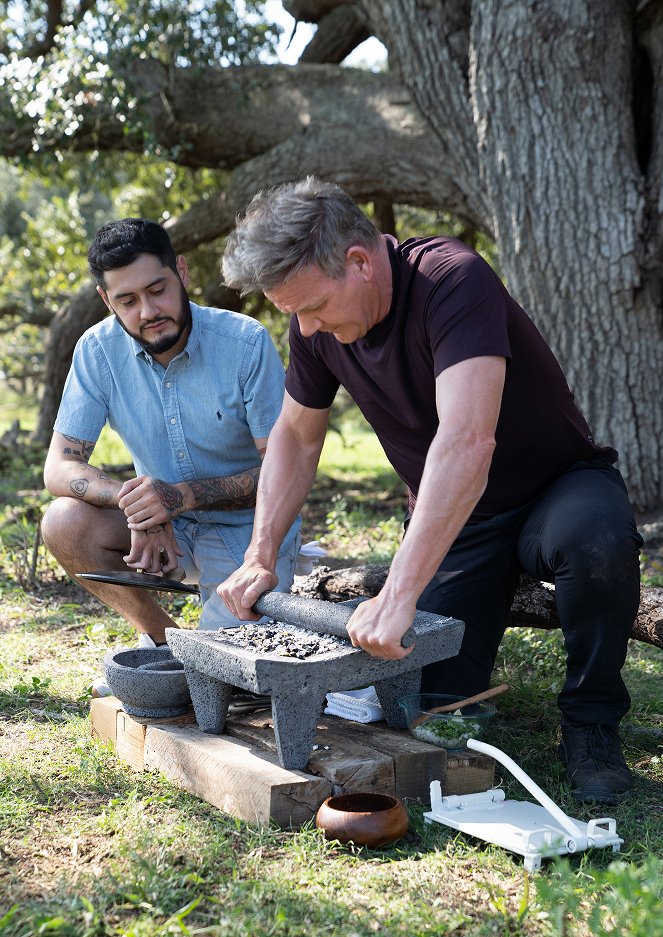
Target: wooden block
x,y
103,718
234,776
468,772
239,771
416,763
346,764
110,723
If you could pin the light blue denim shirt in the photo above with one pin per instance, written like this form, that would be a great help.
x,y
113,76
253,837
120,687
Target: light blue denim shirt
x,y
195,419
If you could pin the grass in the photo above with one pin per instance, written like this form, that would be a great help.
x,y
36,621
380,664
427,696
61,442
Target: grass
x,y
89,848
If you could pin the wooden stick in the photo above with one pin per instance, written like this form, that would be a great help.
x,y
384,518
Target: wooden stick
x,y
452,707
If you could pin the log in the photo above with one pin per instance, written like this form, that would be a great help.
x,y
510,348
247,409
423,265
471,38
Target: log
x,y
533,606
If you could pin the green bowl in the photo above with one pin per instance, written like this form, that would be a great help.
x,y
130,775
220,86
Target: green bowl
x,y
447,730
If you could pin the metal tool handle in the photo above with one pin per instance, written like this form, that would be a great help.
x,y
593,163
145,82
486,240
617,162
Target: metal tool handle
x,y
313,614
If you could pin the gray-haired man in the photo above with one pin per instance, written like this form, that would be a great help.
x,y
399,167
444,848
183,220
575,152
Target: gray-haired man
x,y
476,417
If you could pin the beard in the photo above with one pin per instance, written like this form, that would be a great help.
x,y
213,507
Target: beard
x,y
165,343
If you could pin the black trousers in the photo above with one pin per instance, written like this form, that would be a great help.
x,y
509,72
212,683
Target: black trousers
x,y
579,534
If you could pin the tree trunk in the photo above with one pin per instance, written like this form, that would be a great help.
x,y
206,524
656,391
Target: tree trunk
x,y
83,310
533,607
558,158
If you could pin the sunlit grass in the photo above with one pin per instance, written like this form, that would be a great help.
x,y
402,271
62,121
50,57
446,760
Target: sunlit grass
x,y
15,407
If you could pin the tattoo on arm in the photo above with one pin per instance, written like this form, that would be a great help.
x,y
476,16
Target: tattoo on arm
x,y
79,486
80,447
227,493
170,497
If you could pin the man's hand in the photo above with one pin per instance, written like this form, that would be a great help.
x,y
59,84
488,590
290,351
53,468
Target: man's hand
x,y
241,590
148,501
154,550
378,626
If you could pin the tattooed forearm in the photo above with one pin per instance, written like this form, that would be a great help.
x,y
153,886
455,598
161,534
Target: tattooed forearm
x,y
80,447
79,487
170,497
227,493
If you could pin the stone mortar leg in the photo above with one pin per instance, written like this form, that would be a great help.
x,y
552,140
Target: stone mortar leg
x,y
390,691
210,700
295,725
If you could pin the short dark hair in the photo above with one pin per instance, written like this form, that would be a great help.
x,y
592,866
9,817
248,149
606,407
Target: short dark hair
x,y
118,243
291,227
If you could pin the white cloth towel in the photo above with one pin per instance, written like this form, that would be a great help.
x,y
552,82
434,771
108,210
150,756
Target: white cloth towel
x,y
357,705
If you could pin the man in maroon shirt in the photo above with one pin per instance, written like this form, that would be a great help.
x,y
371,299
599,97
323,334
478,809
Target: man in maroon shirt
x,y
476,417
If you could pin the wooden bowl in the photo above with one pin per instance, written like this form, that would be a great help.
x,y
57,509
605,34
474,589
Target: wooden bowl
x,y
364,819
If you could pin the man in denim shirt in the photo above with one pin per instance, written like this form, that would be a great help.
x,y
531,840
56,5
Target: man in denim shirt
x,y
194,393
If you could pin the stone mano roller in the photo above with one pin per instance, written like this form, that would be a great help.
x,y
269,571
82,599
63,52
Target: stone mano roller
x,y
321,616
311,614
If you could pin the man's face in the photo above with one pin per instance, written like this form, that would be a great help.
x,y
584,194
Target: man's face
x,y
345,307
151,304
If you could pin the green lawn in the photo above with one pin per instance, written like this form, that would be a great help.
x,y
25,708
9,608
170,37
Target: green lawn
x,y
88,848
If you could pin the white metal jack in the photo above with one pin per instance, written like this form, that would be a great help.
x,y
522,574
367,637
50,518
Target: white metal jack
x,y
535,831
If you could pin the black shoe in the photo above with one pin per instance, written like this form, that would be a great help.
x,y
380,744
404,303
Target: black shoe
x,y
595,766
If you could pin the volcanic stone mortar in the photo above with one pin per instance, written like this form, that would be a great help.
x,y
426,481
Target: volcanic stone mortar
x,y
149,682
215,663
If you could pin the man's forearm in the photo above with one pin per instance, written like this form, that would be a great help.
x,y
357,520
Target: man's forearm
x,y
287,476
224,493
68,473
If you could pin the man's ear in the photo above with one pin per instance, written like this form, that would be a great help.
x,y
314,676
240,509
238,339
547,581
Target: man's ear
x,y
183,270
104,296
359,260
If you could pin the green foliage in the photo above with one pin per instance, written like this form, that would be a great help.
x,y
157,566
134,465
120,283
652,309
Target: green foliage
x,y
622,899
357,534
420,222
49,96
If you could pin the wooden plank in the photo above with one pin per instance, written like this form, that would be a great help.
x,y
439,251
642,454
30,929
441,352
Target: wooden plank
x,y
103,718
110,723
346,764
416,763
234,776
359,756
468,772
241,774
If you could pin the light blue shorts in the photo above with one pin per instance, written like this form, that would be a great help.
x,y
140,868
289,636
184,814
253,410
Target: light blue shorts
x,y
212,552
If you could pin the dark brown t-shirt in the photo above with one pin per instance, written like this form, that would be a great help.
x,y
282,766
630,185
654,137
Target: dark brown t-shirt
x,y
448,305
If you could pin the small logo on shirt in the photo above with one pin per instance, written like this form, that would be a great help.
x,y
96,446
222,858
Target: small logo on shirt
x,y
219,415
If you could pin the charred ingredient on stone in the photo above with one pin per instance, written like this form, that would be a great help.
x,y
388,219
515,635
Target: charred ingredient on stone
x,y
280,639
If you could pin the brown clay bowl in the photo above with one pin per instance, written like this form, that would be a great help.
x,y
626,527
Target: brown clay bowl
x,y
364,819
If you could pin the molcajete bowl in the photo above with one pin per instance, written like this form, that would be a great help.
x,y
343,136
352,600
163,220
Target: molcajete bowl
x,y
149,682
365,819
449,730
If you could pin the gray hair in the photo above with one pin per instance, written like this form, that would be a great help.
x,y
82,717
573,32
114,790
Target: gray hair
x,y
291,227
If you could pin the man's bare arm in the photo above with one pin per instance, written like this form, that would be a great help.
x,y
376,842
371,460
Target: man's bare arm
x,y
68,473
292,457
145,500
468,398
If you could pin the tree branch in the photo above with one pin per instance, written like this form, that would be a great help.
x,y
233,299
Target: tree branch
x,y
534,604
338,33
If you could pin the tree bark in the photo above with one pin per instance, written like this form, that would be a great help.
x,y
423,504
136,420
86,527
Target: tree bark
x,y
533,607
83,310
573,238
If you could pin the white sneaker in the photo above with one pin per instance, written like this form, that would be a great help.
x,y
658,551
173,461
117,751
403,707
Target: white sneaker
x,y
99,686
145,641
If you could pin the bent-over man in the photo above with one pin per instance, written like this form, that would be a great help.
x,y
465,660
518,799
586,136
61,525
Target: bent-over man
x,y
475,415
